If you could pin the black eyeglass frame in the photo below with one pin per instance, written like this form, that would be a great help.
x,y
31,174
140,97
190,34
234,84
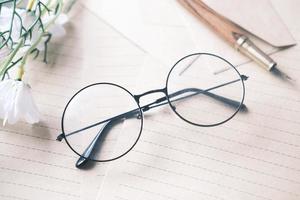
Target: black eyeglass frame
x,y
146,107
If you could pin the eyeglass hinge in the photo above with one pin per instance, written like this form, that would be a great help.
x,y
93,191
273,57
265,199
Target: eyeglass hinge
x,y
145,108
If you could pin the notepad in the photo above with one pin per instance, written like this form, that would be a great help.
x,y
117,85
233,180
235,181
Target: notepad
x,y
33,165
254,156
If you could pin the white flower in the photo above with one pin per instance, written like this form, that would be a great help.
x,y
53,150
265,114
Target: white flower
x,y
57,28
16,102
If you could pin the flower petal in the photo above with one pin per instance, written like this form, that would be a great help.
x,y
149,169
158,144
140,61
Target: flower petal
x,y
4,87
16,102
62,19
25,105
57,31
8,93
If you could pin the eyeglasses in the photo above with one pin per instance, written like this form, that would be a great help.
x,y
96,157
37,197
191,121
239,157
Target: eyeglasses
x,y
93,120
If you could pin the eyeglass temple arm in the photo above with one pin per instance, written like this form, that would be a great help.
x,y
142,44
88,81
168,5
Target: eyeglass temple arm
x,y
118,117
200,91
158,103
196,91
89,150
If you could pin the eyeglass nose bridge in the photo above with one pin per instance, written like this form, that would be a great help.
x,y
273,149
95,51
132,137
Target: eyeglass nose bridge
x,y
163,90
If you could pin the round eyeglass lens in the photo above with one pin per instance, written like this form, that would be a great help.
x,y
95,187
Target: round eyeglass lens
x,y
202,95
102,122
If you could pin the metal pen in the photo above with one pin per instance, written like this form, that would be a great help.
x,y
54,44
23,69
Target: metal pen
x,y
231,33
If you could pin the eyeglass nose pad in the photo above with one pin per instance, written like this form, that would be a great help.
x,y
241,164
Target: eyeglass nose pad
x,y
139,116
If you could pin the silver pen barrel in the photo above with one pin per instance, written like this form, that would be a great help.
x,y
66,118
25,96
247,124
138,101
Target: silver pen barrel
x,y
248,48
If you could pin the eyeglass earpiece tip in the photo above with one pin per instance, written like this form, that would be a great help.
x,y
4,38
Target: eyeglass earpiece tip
x,y
60,137
81,162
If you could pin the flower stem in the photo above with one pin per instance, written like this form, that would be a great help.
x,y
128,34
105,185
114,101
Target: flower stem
x,y
20,72
6,64
30,5
11,56
33,46
11,25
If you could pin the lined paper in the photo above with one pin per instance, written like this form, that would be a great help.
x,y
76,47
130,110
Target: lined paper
x,y
33,165
254,156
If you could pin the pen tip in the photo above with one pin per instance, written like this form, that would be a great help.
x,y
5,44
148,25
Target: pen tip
x,y
281,74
